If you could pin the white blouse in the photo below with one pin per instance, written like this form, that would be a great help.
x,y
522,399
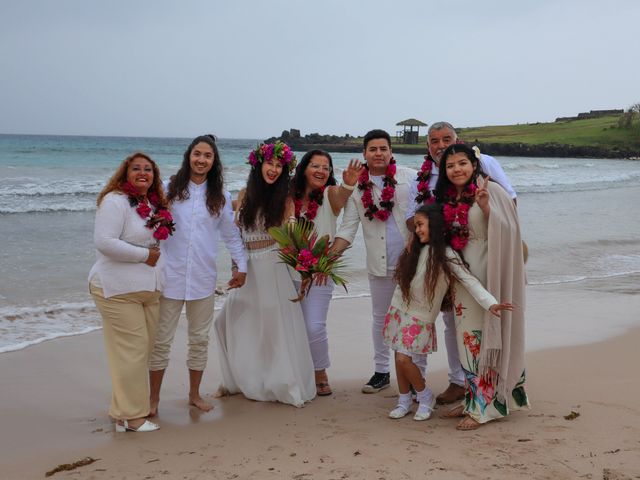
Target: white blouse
x,y
122,241
325,222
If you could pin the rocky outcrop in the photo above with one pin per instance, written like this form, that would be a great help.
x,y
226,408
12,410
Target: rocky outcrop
x,y
295,140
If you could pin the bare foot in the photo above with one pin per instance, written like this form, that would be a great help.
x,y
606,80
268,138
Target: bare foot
x,y
153,409
468,423
198,401
456,412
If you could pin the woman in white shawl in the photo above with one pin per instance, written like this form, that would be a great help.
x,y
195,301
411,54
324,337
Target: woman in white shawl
x,y
482,224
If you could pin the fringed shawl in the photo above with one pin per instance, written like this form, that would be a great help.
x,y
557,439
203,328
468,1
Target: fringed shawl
x,y
502,349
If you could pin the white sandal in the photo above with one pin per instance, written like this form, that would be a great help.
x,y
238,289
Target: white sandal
x,y
147,426
425,410
399,412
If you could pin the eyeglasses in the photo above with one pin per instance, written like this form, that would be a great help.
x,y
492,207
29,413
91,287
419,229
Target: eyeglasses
x,y
324,168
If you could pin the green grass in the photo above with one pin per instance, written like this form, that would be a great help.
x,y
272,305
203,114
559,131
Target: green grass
x,y
596,132
601,132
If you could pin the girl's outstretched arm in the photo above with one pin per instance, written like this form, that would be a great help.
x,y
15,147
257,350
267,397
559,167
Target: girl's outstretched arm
x,y
498,307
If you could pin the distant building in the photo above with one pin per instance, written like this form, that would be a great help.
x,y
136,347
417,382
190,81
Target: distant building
x,y
592,114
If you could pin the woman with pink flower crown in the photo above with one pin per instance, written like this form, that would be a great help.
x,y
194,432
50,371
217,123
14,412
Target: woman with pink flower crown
x,y
263,346
481,223
426,270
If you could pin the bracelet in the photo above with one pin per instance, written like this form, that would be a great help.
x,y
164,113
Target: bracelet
x,y
348,187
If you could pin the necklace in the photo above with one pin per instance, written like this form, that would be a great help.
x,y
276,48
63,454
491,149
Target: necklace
x,y
157,218
314,201
386,197
456,215
424,177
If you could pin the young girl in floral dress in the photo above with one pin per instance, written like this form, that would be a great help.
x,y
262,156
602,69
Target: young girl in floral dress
x,y
424,276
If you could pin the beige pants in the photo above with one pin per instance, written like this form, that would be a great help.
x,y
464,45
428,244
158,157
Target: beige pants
x,y
199,318
129,324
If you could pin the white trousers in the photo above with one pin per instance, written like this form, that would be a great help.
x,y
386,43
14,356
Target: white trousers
x,y
456,375
381,289
199,318
315,307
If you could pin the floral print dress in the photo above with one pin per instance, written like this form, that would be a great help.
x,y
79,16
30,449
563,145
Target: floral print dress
x,y
480,401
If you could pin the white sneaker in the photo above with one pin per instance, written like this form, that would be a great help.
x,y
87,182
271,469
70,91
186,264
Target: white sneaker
x,y
425,410
399,412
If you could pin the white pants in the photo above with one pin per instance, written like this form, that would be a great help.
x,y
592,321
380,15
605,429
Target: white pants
x,y
199,318
315,307
456,375
381,289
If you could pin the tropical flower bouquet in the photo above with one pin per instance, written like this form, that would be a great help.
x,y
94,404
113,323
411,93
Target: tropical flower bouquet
x,y
301,249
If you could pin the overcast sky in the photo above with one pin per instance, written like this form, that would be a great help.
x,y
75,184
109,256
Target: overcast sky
x,y
250,69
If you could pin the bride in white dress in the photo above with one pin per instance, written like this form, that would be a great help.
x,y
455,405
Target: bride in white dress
x,y
262,339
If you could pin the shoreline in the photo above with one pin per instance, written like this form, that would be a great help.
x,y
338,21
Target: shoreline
x,y
535,290
56,397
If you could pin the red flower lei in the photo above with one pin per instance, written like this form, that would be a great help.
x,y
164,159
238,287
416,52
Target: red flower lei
x,y
456,215
315,200
424,176
386,197
158,218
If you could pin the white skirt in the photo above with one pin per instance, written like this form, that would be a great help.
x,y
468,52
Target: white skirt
x,y
262,339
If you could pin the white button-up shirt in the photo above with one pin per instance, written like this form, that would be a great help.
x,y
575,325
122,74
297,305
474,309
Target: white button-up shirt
x,y
375,231
190,253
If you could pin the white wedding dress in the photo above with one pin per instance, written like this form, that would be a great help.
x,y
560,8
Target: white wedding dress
x,y
263,347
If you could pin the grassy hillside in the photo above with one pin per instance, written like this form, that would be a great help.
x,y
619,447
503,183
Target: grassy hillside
x,y
602,132
596,132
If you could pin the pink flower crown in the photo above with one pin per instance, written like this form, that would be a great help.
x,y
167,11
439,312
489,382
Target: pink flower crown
x,y
276,151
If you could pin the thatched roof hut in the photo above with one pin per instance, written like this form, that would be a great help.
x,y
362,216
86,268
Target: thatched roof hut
x,y
408,135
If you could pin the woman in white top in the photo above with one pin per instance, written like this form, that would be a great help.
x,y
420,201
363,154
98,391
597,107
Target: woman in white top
x,y
427,269
318,199
263,346
126,282
203,214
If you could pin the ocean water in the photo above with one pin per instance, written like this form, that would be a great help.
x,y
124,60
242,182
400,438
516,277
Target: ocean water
x,y
579,218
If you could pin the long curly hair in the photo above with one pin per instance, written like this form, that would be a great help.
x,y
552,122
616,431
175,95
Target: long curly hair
x,y
264,201
120,177
299,181
437,262
178,188
443,183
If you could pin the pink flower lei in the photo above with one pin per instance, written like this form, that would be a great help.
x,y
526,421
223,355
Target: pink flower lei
x,y
277,151
315,200
386,198
456,215
158,219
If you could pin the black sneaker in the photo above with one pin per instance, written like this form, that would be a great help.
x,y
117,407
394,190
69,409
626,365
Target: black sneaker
x,y
378,382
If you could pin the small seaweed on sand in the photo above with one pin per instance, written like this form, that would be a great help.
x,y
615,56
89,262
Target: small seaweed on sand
x,y
71,466
572,416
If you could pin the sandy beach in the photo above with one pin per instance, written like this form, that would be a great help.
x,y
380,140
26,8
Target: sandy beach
x,y
55,396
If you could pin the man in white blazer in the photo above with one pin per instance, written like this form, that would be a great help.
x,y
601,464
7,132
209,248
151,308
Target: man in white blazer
x,y
385,234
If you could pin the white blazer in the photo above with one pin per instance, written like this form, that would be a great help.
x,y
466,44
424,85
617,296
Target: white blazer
x,y
374,231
